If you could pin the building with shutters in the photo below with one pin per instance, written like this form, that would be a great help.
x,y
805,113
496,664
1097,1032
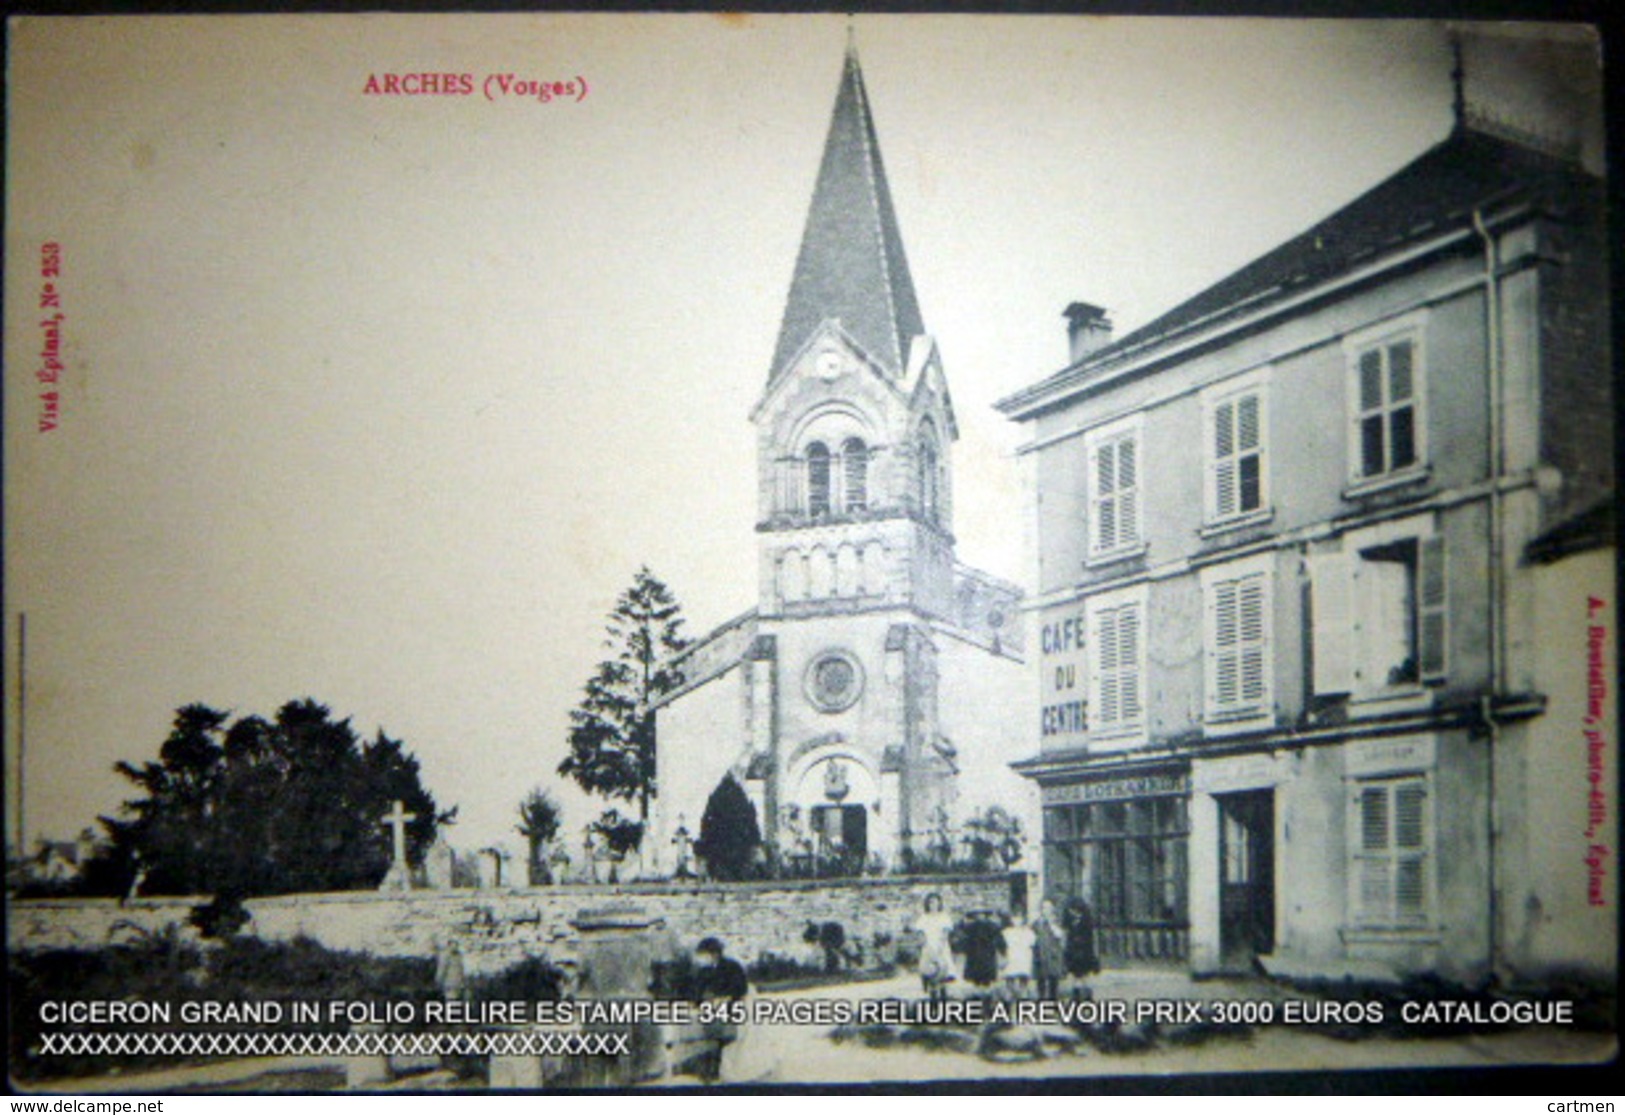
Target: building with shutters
x,y
1309,672
852,703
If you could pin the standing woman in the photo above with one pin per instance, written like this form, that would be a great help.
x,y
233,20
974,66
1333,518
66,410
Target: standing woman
x,y
936,951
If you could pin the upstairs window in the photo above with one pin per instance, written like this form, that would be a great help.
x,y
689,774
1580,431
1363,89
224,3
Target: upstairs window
x,y
818,479
1238,662
1117,665
1380,615
855,474
1387,404
1235,424
1114,490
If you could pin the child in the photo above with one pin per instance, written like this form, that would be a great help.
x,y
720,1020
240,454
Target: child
x,y
1019,941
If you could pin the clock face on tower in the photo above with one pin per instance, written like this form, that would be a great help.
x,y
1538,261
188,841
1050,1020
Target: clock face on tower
x,y
834,681
830,364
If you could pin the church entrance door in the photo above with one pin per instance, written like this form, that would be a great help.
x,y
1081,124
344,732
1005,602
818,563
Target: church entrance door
x,y
843,838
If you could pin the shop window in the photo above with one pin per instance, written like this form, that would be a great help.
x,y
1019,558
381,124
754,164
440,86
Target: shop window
x,y
1128,859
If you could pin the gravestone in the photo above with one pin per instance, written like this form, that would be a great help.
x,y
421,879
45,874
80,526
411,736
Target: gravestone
x,y
621,953
498,859
623,949
684,841
440,865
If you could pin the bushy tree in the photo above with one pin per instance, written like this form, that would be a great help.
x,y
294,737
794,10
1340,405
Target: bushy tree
x,y
619,834
539,823
612,731
730,835
266,806
994,838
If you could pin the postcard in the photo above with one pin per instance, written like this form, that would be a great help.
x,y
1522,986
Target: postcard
x,y
599,549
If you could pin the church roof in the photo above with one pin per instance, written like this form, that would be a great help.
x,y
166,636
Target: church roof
x,y
851,267
1435,194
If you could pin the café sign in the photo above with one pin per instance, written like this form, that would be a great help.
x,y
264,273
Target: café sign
x,y
1063,719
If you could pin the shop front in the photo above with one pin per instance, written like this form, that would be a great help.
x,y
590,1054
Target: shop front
x,y
1120,842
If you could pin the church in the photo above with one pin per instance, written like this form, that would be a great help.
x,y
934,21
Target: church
x,y
859,702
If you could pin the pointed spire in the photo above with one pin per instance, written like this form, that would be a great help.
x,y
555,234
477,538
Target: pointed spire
x,y
851,266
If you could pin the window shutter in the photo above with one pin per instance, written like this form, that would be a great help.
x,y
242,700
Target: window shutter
x,y
1409,799
1373,865
1226,683
1105,674
1250,621
1237,644
1410,901
1332,622
1223,493
1247,423
1410,891
1128,661
1128,480
1115,685
1102,482
1432,611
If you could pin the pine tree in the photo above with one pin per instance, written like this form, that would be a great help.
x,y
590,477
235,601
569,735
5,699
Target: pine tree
x,y
612,733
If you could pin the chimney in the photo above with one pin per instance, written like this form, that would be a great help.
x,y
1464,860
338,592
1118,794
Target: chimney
x,y
1088,329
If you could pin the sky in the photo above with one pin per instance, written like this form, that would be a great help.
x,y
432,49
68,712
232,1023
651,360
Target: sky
x,y
381,400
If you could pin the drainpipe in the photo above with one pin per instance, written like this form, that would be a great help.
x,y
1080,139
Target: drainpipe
x,y
1492,313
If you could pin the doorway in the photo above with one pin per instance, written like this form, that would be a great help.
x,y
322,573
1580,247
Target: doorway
x,y
1246,876
842,835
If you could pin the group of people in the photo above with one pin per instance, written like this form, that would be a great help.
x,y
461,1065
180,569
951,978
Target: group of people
x,y
1050,957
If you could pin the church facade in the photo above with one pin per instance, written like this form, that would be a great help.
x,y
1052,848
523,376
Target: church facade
x,y
836,701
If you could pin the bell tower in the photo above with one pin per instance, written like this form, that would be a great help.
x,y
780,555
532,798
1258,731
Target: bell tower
x,y
826,701
855,523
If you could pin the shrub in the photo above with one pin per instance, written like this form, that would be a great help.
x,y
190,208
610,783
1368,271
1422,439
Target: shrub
x,y
222,916
533,979
730,836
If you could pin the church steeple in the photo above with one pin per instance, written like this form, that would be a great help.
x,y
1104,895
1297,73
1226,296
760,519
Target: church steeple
x,y
851,266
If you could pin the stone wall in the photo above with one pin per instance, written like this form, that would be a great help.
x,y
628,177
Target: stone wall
x,y
499,927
